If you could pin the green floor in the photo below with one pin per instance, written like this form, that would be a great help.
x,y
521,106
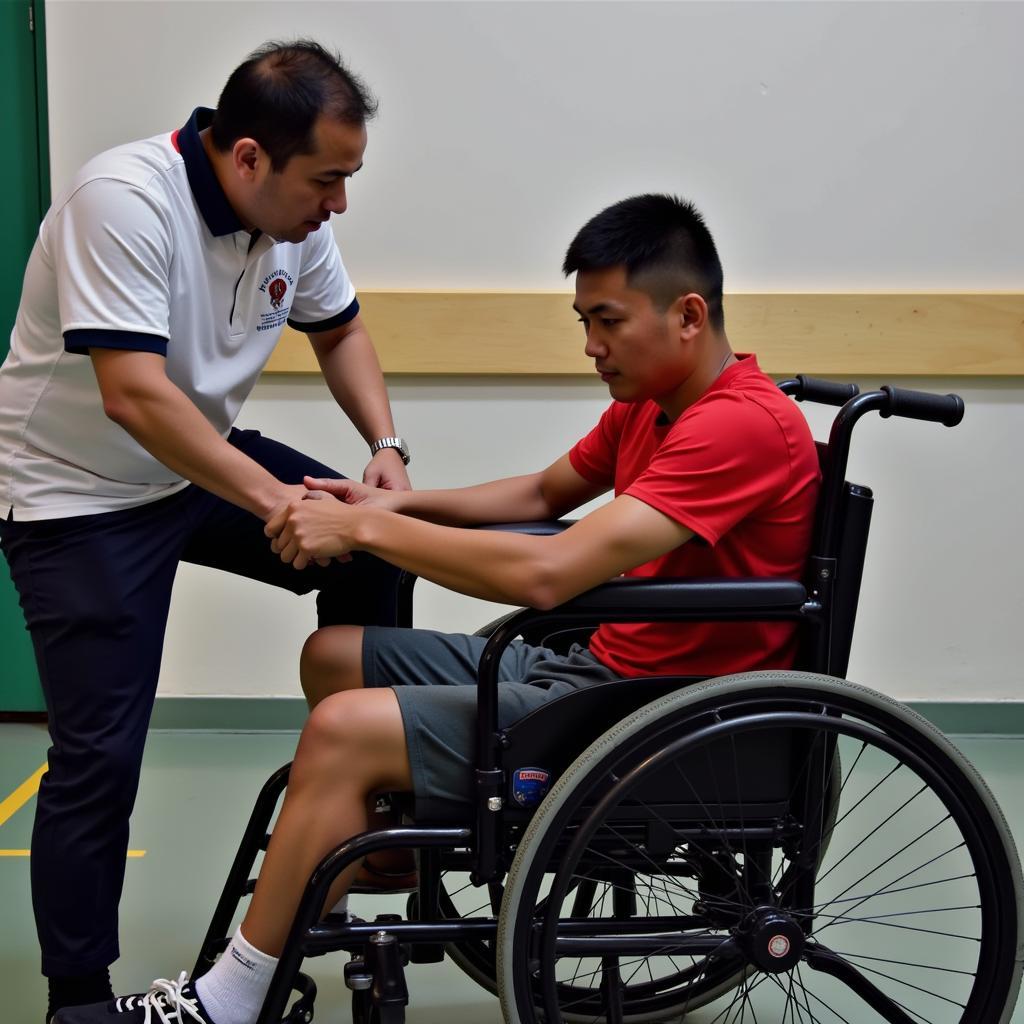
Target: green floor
x,y
196,794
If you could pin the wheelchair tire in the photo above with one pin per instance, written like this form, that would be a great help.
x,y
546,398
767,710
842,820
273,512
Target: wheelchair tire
x,y
906,795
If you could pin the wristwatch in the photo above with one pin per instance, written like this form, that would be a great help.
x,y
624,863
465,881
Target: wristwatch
x,y
397,443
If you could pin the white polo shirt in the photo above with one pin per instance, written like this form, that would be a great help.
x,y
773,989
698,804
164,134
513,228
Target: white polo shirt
x,y
144,252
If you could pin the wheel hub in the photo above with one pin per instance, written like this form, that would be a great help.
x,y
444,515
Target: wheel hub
x,y
772,940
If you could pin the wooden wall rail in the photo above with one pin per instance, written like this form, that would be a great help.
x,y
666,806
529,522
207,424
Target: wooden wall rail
x,y
536,333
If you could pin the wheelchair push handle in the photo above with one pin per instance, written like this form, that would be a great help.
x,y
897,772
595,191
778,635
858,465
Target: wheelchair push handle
x,y
814,389
920,405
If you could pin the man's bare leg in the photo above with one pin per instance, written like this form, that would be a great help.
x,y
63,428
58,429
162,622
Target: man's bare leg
x,y
352,747
332,662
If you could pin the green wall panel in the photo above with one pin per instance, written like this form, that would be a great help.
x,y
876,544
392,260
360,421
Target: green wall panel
x,y
24,188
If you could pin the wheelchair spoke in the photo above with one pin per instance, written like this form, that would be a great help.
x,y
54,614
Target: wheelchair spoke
x,y
839,796
874,831
869,793
903,963
743,994
892,889
791,1002
794,1013
886,889
907,984
808,995
802,989
655,869
667,880
871,834
658,902
891,1009
747,988
902,927
847,918
718,826
801,778
727,1012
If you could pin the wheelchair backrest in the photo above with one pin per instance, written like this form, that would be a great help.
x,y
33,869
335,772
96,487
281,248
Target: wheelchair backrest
x,y
833,577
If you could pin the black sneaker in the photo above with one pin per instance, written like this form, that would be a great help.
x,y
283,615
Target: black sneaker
x,y
166,1002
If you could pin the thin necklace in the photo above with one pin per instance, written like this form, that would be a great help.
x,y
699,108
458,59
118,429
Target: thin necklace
x,y
718,372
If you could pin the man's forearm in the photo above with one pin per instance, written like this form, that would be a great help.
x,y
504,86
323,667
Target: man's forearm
x,y
170,427
495,566
516,499
353,374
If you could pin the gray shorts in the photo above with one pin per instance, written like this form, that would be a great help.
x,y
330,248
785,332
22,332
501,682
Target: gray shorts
x,y
434,676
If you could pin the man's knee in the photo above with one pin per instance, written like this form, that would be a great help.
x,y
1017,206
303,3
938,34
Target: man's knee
x,y
101,780
361,592
331,660
355,737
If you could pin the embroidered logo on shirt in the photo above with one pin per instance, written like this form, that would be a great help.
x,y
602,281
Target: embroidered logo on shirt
x,y
277,289
277,282
276,285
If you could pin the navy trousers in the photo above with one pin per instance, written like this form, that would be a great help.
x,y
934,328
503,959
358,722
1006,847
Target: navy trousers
x,y
95,591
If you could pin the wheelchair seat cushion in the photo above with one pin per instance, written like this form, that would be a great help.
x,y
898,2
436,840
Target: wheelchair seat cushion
x,y
434,678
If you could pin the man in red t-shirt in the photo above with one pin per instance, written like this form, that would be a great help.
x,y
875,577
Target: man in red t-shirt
x,y
714,473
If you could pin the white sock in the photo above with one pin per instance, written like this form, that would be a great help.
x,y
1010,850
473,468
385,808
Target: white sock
x,y
341,907
233,990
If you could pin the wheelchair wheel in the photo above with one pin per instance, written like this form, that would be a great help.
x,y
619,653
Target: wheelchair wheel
x,y
693,856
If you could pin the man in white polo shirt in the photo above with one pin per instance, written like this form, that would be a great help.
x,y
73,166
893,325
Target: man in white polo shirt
x,y
155,293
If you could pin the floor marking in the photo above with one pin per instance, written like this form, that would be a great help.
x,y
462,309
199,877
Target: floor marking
x,y
25,853
21,795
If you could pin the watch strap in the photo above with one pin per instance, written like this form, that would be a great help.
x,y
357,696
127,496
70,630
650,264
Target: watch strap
x,y
391,442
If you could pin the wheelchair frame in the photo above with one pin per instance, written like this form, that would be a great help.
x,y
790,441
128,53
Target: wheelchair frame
x,y
825,605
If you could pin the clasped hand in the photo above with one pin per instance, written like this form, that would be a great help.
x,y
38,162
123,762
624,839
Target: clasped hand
x,y
319,526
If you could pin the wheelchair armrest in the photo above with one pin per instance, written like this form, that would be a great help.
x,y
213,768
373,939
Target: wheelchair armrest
x,y
407,580
541,528
643,598
654,600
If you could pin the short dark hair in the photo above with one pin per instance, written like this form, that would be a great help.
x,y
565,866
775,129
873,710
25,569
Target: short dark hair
x,y
664,246
277,94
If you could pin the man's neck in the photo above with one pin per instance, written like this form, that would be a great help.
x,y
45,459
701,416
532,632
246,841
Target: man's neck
x,y
219,164
718,359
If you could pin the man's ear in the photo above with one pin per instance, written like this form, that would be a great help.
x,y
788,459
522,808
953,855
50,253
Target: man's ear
x,y
246,156
692,311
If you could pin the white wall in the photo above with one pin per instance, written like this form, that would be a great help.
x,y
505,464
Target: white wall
x,y
856,146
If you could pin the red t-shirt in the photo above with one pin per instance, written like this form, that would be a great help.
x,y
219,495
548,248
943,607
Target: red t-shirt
x,y
739,468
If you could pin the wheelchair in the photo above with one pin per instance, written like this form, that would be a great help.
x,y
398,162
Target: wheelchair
x,y
775,846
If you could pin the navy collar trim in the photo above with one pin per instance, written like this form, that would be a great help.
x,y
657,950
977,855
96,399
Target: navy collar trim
x,y
220,218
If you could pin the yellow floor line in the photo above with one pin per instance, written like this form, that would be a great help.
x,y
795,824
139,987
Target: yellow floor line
x,y
25,853
21,795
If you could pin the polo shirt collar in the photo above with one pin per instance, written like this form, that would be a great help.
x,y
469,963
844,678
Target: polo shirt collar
x,y
220,218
